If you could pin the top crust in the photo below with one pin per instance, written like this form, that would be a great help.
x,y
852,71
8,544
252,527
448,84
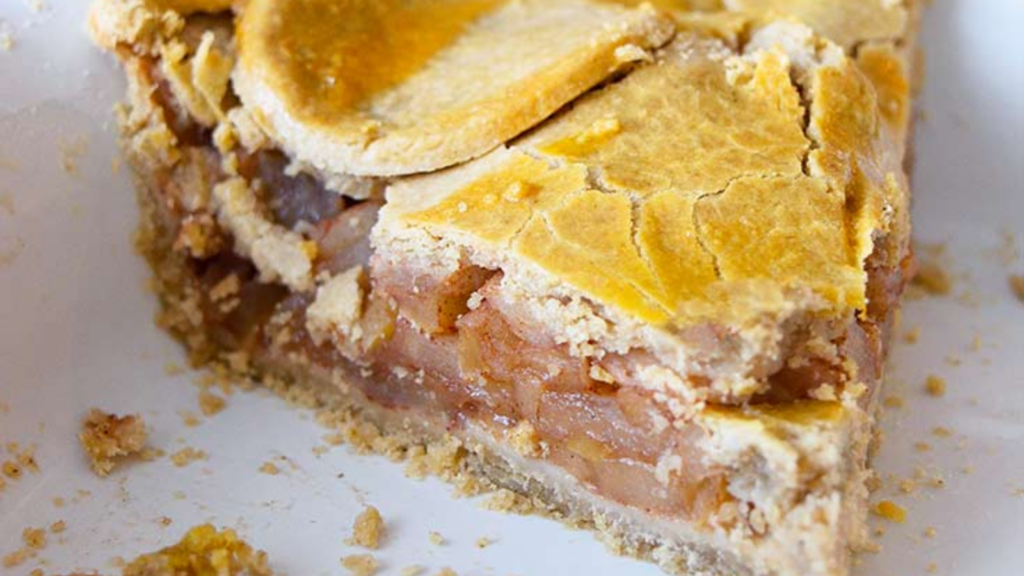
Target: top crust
x,y
387,88
844,22
690,193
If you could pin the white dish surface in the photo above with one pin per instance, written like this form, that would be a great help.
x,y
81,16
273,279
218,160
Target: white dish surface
x,y
76,331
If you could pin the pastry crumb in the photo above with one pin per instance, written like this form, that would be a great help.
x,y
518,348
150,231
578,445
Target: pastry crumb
x,y
108,438
189,419
1017,286
361,564
187,455
413,570
210,403
935,385
891,511
33,540
368,529
483,542
270,468
908,485
895,402
436,539
58,527
930,532
203,550
446,572
933,279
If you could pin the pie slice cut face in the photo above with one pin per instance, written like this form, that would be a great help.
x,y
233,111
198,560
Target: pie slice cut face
x,y
636,269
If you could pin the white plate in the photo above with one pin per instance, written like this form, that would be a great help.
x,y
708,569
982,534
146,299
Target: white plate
x,y
76,331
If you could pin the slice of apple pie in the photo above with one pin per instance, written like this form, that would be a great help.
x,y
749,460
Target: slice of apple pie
x,y
636,264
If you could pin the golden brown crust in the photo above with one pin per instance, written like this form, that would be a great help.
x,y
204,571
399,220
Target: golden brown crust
x,y
406,89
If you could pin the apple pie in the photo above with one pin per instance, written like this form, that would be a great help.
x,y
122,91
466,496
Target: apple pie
x,y
636,263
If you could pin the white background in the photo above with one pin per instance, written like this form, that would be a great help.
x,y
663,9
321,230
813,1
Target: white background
x,y
76,331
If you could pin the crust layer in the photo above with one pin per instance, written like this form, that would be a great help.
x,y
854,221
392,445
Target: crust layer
x,y
385,88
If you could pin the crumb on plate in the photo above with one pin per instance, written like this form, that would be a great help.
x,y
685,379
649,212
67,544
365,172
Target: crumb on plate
x,y
1017,286
891,511
210,403
106,438
361,564
187,455
203,551
935,385
368,529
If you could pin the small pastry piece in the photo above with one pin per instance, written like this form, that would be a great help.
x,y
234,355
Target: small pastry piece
x,y
108,438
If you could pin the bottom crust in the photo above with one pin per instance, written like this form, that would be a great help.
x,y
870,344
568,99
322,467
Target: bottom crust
x,y
473,460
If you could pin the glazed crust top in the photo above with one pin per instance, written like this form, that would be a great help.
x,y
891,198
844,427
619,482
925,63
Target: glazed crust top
x,y
390,87
713,182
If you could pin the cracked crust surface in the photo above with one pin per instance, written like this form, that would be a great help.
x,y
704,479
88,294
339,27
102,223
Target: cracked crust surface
x,y
443,82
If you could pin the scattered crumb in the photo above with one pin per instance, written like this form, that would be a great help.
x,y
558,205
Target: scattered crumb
x,y
447,572
203,550
367,529
270,468
483,542
893,401
933,568
164,521
933,279
908,486
922,446
71,152
187,455
361,564
890,511
11,469
189,419
58,502
436,539
7,203
935,385
210,403
912,335
58,527
930,532
413,570
34,540
107,438
1017,286
942,432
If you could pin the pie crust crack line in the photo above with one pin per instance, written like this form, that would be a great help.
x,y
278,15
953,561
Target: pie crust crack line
x,y
636,288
